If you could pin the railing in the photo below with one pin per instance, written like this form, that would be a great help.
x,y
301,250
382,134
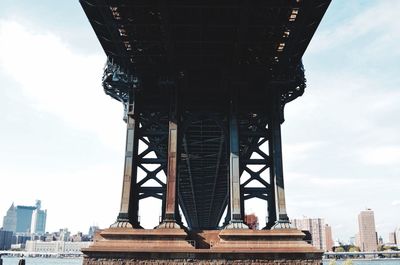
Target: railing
x,y
364,254
40,254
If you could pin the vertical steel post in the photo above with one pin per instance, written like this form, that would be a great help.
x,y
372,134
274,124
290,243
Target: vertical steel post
x,y
128,215
236,218
228,215
277,183
171,203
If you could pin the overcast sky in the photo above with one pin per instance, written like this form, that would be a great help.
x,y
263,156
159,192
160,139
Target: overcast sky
x,y
62,139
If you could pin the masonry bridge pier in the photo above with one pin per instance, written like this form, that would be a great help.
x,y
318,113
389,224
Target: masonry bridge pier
x,y
204,85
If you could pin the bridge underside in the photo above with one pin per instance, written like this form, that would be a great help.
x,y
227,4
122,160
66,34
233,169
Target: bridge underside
x,y
200,79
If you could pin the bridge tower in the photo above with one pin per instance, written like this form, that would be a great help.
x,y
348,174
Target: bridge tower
x,y
204,85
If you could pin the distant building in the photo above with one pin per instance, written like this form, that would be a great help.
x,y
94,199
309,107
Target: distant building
x,y
50,237
251,220
380,240
368,240
19,240
39,220
78,237
17,247
10,219
328,238
397,232
5,239
64,235
24,219
316,227
55,246
92,231
392,238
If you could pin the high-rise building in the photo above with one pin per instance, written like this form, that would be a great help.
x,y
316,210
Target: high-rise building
x,y
5,239
328,238
10,219
24,219
392,238
368,240
316,227
39,220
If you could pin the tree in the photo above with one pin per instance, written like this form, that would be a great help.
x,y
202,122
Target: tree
x,y
339,249
354,249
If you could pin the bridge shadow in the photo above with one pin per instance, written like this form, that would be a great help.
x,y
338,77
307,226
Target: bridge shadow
x,y
205,239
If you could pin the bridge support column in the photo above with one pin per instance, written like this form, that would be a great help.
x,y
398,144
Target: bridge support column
x,y
128,214
170,216
275,146
236,218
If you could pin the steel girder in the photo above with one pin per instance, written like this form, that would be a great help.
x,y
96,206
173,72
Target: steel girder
x,y
203,169
152,133
154,45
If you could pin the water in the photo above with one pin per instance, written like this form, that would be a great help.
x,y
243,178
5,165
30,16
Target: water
x,y
78,261
43,261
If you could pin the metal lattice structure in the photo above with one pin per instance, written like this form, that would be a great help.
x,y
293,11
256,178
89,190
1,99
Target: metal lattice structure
x,y
204,85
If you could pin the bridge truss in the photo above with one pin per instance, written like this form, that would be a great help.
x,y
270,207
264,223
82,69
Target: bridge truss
x,y
204,85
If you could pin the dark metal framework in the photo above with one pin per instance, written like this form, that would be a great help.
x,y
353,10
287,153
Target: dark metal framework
x,y
204,168
204,85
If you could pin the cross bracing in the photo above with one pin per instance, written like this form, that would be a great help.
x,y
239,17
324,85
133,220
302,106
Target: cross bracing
x,y
204,85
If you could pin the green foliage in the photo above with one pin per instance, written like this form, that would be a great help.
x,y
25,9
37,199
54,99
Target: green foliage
x,y
390,248
346,248
339,249
354,249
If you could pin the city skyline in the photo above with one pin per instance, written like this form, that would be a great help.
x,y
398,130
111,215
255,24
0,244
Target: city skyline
x,y
63,139
22,219
315,225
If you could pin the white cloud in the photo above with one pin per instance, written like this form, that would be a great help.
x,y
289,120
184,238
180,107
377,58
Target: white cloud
x,y
396,203
295,176
306,204
381,155
300,150
332,182
59,81
381,20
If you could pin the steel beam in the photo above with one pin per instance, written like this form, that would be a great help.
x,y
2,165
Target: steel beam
x,y
236,218
275,145
171,203
128,215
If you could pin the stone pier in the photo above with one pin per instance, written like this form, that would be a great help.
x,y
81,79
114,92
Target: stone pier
x,y
175,246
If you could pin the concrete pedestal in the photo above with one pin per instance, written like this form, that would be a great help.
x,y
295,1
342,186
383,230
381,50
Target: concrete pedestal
x,y
121,246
